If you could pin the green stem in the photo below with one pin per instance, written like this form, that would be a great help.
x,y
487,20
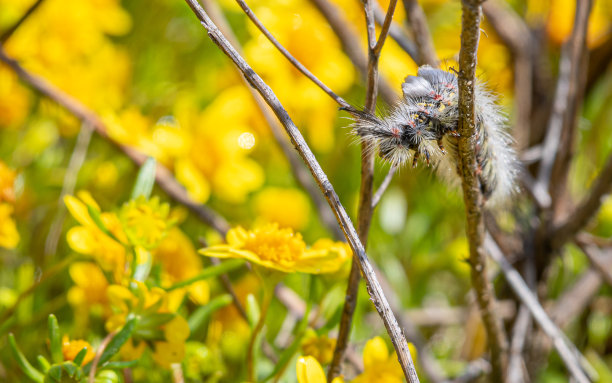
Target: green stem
x,y
267,299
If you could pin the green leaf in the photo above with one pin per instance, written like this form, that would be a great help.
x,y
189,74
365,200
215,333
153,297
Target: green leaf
x,y
115,344
203,313
97,218
252,310
55,373
78,359
144,262
155,320
145,180
55,341
44,363
210,272
120,365
23,363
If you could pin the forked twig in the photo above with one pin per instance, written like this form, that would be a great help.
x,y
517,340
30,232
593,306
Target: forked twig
x,y
377,296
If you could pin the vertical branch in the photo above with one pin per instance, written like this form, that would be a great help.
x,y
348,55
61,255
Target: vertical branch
x,y
470,34
558,140
366,208
376,294
418,25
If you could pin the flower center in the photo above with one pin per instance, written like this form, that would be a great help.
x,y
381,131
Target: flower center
x,y
277,245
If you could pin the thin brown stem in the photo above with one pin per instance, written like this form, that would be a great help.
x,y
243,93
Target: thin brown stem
x,y
568,352
296,63
265,304
417,22
558,140
99,352
9,32
351,44
376,294
163,176
301,174
383,186
470,35
585,211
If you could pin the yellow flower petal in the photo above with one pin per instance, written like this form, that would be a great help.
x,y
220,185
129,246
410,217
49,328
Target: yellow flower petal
x,y
177,330
375,352
81,240
78,210
308,370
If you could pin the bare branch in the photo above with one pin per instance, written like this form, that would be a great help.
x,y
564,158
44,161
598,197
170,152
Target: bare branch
x,y
351,44
289,57
397,33
585,211
568,352
380,301
383,186
9,32
515,34
472,196
163,176
596,257
417,22
565,94
298,169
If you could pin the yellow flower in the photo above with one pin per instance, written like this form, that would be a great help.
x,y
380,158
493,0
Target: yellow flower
x,y
379,365
90,286
145,221
89,239
9,236
288,207
319,347
167,353
276,248
70,349
130,351
308,370
7,180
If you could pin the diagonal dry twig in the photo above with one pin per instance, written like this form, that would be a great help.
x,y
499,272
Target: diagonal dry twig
x,y
299,171
568,352
585,211
351,44
380,301
417,22
472,196
9,32
163,176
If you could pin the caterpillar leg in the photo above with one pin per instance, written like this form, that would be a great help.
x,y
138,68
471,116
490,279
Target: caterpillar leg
x,y
441,146
415,159
426,156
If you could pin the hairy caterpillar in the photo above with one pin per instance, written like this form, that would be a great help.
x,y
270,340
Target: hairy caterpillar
x,y
424,123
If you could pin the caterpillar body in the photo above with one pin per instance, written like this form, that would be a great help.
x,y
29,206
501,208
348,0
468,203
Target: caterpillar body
x,y
424,123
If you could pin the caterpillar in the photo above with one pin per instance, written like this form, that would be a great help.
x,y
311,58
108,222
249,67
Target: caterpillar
x,y
424,124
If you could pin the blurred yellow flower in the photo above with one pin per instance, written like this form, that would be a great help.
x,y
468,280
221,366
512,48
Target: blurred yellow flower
x,y
179,261
89,239
308,370
319,347
7,182
9,236
379,365
167,353
145,221
89,292
70,349
14,100
287,207
278,249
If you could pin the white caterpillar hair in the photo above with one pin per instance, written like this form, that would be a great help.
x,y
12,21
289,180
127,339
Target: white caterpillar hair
x,y
425,122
